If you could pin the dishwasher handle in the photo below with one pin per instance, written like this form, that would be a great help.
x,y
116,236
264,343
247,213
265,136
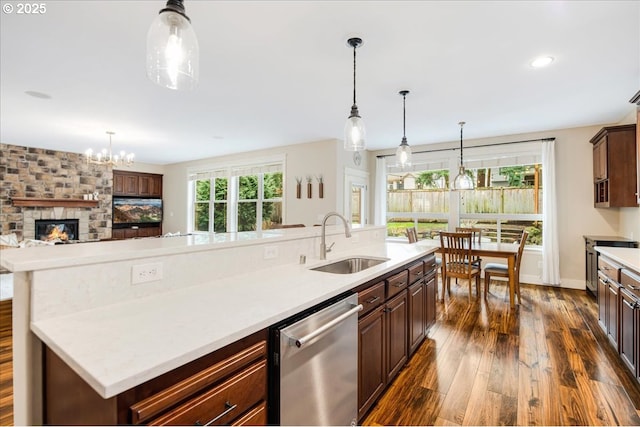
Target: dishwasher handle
x,y
299,342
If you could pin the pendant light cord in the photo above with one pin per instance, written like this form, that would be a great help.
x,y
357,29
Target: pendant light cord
x,y
461,125
354,75
404,116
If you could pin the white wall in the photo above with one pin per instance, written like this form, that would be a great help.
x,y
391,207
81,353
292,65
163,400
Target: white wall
x,y
300,160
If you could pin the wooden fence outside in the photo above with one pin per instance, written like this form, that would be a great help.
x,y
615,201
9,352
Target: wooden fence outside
x,y
486,200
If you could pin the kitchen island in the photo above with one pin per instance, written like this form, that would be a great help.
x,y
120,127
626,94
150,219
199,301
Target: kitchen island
x,y
208,291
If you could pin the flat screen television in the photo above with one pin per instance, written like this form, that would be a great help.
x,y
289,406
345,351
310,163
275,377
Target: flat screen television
x,y
136,211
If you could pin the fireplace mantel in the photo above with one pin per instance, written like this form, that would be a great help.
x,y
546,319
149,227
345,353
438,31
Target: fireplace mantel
x,y
35,202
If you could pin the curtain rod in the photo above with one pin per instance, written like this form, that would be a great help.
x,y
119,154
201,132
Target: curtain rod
x,y
473,146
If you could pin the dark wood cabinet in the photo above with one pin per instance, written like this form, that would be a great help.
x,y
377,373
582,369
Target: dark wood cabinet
x,y
372,363
228,386
608,298
396,318
417,306
613,312
135,232
591,256
614,167
398,310
630,320
137,184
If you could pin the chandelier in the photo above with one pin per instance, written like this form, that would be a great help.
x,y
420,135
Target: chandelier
x,y
106,156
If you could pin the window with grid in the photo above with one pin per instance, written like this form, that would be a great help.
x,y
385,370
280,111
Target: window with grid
x,y
241,198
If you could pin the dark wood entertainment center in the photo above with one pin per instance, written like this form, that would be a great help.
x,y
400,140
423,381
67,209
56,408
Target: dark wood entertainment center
x,y
136,185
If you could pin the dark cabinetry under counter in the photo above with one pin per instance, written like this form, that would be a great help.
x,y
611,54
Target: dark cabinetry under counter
x,y
591,256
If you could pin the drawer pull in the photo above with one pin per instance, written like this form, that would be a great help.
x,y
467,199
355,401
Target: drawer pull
x,y
229,407
399,285
631,306
633,288
372,300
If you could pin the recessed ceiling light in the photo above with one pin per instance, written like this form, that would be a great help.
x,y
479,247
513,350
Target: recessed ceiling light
x,y
36,94
541,61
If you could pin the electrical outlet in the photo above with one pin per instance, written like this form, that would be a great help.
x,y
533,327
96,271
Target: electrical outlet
x,y
270,252
143,273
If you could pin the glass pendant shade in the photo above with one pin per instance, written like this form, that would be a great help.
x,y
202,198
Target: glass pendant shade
x,y
354,133
403,155
172,51
463,181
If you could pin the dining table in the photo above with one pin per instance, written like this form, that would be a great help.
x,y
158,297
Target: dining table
x,y
507,251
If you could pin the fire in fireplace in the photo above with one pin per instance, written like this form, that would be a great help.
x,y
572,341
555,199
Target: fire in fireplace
x,y
59,230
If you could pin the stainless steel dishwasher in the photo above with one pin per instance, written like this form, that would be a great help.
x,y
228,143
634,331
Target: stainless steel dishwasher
x,y
314,366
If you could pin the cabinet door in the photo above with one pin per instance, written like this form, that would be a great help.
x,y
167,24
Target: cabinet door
x,y
397,332
431,291
149,232
118,184
130,185
603,292
117,233
628,349
372,372
613,313
145,185
600,160
417,315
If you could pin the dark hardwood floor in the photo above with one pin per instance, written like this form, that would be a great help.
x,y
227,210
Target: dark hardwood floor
x,y
544,363
6,365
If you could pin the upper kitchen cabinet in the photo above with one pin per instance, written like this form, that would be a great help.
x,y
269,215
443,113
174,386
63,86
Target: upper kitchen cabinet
x,y
614,167
137,184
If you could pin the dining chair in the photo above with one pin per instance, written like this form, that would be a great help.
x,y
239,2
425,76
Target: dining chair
x,y
412,234
476,237
456,251
501,270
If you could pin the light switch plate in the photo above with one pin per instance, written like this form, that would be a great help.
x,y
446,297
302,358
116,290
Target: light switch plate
x,y
143,273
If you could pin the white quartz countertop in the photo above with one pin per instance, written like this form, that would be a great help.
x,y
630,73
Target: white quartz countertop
x,y
116,347
630,257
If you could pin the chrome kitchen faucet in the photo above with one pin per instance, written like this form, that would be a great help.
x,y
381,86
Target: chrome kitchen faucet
x,y
323,243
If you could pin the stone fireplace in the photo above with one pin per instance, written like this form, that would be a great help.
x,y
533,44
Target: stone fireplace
x,y
36,220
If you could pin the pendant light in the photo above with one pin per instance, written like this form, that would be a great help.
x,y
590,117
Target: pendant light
x,y
354,133
403,153
462,181
172,49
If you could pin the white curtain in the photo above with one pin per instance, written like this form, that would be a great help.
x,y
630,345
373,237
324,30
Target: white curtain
x,y
380,205
550,248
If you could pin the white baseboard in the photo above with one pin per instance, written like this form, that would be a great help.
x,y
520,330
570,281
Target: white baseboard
x,y
564,283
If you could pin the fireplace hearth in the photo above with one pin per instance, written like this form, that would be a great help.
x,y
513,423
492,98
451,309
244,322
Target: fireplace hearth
x,y
57,230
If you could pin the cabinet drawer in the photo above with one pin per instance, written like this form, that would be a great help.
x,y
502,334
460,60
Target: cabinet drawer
x,y
257,416
416,272
223,403
630,281
158,403
609,268
371,298
397,283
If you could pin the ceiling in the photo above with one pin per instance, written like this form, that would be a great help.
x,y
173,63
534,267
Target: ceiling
x,y
275,73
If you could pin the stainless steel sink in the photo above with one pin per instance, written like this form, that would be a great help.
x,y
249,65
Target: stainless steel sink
x,y
350,265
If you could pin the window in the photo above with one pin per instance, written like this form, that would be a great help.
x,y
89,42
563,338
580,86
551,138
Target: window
x,y
507,198
418,199
244,198
506,201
